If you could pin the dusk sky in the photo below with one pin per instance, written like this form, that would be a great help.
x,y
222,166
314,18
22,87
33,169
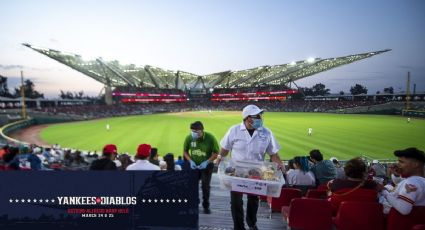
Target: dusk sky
x,y
204,37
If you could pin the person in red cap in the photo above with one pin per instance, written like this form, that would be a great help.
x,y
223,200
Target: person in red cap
x,y
106,162
142,162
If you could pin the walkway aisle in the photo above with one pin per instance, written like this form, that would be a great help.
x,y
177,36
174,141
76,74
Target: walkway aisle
x,y
221,217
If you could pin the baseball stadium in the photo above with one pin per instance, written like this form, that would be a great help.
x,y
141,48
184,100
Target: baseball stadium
x,y
162,104
155,106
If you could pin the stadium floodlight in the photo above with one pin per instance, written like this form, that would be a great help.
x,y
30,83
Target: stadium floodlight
x,y
310,60
118,75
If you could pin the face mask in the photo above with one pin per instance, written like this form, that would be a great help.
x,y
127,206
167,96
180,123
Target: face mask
x,y
195,135
257,123
396,179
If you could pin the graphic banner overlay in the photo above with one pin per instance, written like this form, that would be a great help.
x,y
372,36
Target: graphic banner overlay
x,y
98,200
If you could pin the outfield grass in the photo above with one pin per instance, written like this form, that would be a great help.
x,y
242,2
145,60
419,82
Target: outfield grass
x,y
341,136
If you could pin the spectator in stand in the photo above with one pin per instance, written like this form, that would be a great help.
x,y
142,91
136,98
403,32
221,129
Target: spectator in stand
x,y
106,161
117,162
8,162
162,165
409,192
249,141
142,163
153,158
47,155
355,187
340,174
324,170
180,161
79,161
3,151
125,161
395,175
200,149
171,165
26,159
301,174
378,170
290,166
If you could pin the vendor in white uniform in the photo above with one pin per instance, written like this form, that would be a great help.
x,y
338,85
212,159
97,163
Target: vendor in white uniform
x,y
249,141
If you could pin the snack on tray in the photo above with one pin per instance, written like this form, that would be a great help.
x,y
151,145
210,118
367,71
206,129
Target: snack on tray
x,y
230,171
233,173
254,174
269,174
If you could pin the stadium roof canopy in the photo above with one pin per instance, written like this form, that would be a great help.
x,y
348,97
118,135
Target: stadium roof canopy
x,y
112,73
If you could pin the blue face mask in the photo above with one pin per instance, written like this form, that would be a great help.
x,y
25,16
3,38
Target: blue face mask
x,y
257,123
195,135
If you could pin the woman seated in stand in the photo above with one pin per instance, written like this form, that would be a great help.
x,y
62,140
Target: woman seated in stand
x,y
355,187
171,165
301,174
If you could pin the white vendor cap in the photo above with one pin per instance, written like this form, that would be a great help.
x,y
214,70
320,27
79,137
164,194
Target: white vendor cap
x,y
251,110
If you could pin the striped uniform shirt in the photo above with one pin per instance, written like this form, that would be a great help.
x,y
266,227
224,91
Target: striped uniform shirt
x,y
408,193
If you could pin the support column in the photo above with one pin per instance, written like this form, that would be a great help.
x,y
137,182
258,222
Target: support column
x,y
108,95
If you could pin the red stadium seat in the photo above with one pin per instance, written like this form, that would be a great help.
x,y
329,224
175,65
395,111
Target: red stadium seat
x,y
361,194
353,215
286,195
419,227
308,214
397,221
314,193
323,187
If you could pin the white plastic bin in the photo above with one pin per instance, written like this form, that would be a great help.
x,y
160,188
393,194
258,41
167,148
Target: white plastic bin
x,y
252,177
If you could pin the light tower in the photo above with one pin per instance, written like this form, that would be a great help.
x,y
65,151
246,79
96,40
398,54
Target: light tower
x,y
408,91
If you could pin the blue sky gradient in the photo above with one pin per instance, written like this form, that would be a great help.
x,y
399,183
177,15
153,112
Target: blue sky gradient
x,y
204,37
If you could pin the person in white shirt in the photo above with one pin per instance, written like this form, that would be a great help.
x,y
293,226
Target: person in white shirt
x,y
108,127
249,141
340,173
409,192
310,131
163,165
142,163
395,176
301,174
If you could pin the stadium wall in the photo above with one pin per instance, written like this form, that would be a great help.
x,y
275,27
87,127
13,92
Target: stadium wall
x,y
390,108
22,124
13,127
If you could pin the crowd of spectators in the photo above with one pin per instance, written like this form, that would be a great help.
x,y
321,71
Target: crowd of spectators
x,y
399,185
24,157
100,111
361,181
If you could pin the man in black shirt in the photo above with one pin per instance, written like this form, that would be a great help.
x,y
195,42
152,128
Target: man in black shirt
x,y
106,162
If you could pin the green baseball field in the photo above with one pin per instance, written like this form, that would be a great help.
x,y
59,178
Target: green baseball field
x,y
336,135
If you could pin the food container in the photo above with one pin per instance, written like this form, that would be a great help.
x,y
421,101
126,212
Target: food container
x,y
251,177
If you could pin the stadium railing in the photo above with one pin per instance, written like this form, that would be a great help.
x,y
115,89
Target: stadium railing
x,y
5,130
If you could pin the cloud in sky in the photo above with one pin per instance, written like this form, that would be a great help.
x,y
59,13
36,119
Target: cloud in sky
x,y
9,67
